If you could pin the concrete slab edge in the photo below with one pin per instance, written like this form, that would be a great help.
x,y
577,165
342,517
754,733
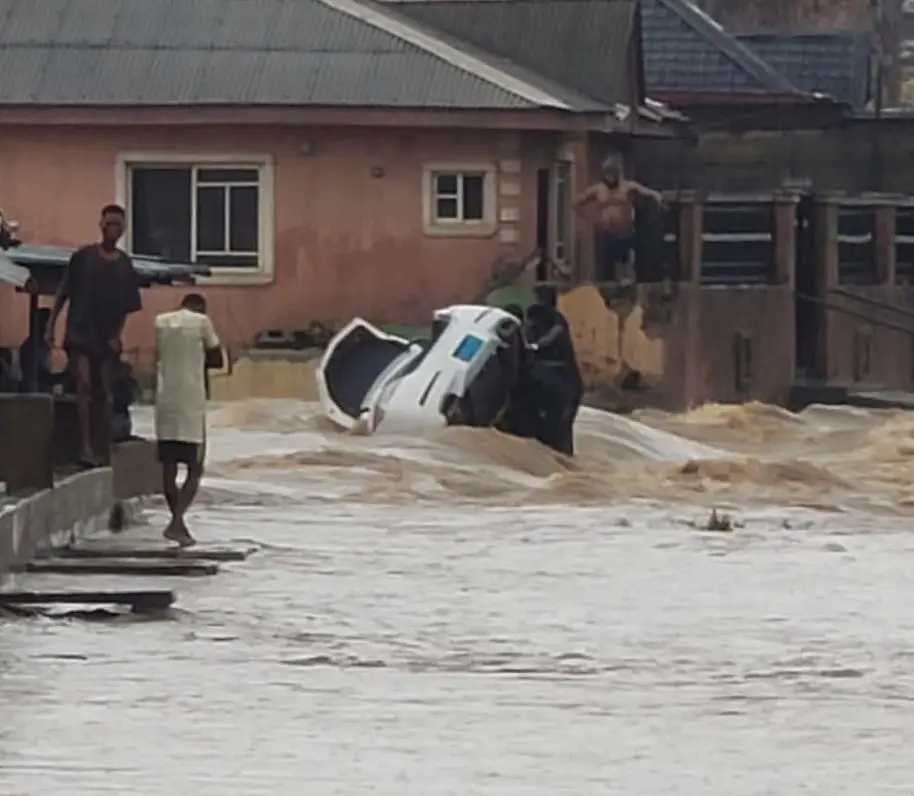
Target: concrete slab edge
x,y
76,507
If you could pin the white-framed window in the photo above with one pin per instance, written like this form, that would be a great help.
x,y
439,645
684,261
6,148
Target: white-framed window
x,y
459,199
561,215
215,211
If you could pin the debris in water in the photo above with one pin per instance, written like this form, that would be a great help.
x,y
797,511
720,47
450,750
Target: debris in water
x,y
117,518
718,522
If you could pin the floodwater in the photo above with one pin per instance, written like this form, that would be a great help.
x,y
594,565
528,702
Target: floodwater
x,y
470,614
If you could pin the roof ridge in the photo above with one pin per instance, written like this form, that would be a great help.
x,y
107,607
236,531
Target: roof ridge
x,y
409,32
801,32
731,47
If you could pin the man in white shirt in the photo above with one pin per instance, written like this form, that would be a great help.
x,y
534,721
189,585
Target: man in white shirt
x,y
186,345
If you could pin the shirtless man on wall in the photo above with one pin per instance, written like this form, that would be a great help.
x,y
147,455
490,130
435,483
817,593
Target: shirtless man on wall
x,y
615,221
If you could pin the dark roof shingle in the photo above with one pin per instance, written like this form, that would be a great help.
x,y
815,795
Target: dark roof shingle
x,y
836,64
686,50
583,44
247,52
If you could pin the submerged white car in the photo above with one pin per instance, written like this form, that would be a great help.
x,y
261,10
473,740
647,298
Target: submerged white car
x,y
463,374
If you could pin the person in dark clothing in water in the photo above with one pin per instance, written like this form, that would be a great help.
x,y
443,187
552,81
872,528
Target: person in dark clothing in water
x,y
102,289
522,414
555,369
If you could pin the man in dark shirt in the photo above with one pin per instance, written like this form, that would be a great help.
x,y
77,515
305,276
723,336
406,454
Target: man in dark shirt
x,y
102,288
556,367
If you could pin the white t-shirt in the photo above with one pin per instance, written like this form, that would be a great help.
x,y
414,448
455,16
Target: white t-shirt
x,y
182,338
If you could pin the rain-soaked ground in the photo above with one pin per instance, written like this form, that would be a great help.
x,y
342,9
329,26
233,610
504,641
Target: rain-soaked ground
x,y
469,614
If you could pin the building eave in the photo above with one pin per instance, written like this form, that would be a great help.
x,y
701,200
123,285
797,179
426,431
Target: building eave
x,y
225,115
681,98
645,122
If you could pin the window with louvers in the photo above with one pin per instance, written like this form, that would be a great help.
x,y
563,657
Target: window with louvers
x,y
737,243
856,246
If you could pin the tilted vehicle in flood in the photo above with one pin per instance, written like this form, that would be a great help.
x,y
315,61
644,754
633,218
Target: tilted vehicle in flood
x,y
472,370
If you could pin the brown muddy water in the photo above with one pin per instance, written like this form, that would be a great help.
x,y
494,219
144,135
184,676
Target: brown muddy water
x,y
471,614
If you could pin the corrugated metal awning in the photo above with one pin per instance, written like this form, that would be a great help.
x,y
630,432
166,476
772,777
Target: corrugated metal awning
x,y
19,264
13,274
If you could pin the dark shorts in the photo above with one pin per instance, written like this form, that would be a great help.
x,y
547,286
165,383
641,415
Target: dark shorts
x,y
613,249
88,342
176,452
100,370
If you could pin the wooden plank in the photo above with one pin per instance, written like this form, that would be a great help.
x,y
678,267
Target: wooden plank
x,y
120,566
146,553
147,599
881,399
802,394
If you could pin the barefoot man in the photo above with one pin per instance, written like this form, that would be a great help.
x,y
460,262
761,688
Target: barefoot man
x,y
615,221
186,345
102,289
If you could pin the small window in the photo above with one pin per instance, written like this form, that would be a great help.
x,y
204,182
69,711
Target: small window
x,y
459,201
459,197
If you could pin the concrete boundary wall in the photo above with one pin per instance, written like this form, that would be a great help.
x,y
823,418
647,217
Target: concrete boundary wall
x,y
77,506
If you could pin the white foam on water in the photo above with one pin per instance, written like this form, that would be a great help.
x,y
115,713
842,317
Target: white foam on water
x,y
467,613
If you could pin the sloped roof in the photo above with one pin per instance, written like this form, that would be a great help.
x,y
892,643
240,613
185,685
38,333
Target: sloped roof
x,y
249,52
685,50
582,44
832,63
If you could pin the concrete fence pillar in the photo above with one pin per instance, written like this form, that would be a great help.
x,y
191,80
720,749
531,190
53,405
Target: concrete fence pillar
x,y
26,450
690,229
885,244
785,240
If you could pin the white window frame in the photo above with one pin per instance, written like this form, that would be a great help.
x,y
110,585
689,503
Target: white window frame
x,y
481,228
561,231
264,273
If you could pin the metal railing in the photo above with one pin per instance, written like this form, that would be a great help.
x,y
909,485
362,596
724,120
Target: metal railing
x,y
860,315
884,305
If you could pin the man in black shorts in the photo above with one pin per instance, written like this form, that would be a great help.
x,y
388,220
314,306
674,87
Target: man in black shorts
x,y
186,345
102,289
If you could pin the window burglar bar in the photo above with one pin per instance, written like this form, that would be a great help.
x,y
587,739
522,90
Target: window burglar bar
x,y
856,246
737,243
458,197
737,258
229,188
737,237
208,214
